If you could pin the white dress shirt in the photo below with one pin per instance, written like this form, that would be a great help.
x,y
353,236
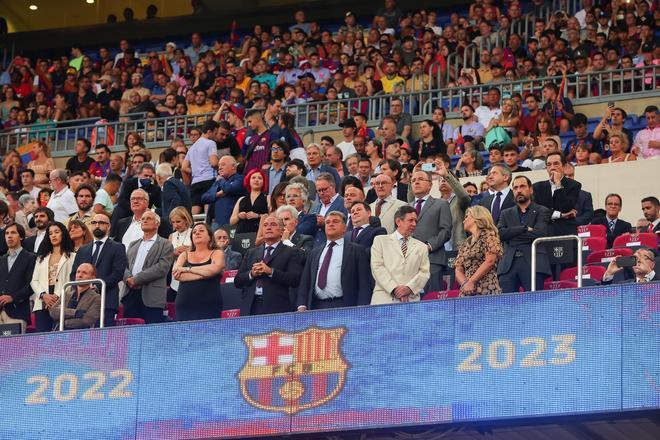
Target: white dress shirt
x,y
333,286
134,232
505,192
326,208
63,204
143,250
39,238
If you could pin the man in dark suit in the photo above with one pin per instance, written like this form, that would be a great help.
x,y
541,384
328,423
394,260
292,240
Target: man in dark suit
x,y
644,268
267,273
225,192
109,258
585,204
651,210
335,274
42,218
289,216
353,194
173,192
559,194
328,201
519,227
16,268
315,155
614,225
144,180
393,169
501,197
128,229
433,226
363,233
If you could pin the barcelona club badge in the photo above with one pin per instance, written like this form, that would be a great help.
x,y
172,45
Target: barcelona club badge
x,y
292,372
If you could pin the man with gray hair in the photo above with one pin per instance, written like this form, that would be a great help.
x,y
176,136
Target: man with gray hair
x,y
129,229
145,181
149,261
62,201
501,197
315,154
329,200
290,237
26,207
225,192
297,196
173,192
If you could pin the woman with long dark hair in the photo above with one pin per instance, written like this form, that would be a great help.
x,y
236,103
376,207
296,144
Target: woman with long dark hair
x,y
52,269
430,143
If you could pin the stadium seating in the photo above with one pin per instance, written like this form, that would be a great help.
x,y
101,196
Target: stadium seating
x,y
441,295
591,275
636,241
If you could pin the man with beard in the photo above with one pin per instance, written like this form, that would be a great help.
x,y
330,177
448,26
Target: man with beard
x,y
519,226
85,196
109,258
42,218
471,129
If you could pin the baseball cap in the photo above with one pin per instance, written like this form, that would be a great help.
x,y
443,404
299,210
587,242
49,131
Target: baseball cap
x,y
171,43
71,71
348,123
238,110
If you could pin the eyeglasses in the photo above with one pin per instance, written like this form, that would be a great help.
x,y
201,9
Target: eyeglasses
x,y
95,223
137,199
277,149
419,180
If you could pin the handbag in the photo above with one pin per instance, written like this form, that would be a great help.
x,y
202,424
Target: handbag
x,y
497,136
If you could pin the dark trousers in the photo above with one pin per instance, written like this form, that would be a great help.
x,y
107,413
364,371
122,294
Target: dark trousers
x,y
333,303
43,321
135,308
109,318
257,307
520,275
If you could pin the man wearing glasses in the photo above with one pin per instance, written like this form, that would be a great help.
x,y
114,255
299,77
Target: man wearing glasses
x,y
62,202
643,268
109,258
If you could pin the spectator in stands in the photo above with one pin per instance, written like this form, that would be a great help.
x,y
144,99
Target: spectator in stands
x,y
16,269
386,204
651,210
79,233
257,149
62,202
518,227
433,227
143,180
430,142
249,209
117,165
297,195
315,153
604,130
222,242
225,192
490,109
196,49
334,159
457,197
329,279
559,108
399,262
402,119
535,142
644,268
42,164
100,168
279,153
362,230
582,137
511,156
647,141
329,200
619,147
149,261
560,195
267,272
181,239
76,179
173,192
471,130
615,226
585,205
26,206
55,258
83,304
290,236
27,183
129,229
85,196
500,196
200,163
42,218
81,161
349,128
469,164
198,272
106,197
393,169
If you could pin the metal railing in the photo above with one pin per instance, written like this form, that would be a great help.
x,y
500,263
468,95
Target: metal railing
x,y
558,238
79,283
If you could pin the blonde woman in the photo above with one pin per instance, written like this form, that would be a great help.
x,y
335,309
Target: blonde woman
x,y
618,148
476,264
181,240
42,164
508,119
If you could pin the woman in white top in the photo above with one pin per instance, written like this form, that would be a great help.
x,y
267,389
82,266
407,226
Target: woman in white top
x,y
181,222
51,271
619,148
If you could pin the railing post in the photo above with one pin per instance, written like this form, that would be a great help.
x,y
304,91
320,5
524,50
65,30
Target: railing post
x,y
557,238
78,283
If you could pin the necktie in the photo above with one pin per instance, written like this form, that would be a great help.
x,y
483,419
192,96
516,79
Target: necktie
x,y
650,228
269,251
323,273
404,246
355,233
379,206
612,223
97,250
496,207
418,206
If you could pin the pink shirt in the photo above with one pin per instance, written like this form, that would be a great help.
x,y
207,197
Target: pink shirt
x,y
642,140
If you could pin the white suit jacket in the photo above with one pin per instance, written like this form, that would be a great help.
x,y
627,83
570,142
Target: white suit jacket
x,y
391,269
39,282
387,213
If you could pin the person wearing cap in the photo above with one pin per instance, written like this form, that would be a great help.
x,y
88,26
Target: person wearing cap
x,y
350,24
348,128
604,23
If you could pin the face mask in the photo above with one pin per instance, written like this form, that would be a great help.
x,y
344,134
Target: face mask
x,y
145,182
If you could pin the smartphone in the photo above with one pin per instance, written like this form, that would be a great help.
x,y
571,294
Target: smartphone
x,y
428,167
610,104
624,262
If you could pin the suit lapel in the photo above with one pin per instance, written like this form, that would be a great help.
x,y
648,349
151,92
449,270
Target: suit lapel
x,y
429,202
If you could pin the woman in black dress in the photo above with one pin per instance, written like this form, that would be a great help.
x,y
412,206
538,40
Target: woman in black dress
x,y
249,209
430,143
198,273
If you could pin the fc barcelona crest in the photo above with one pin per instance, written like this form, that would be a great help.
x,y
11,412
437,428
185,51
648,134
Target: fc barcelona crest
x,y
292,372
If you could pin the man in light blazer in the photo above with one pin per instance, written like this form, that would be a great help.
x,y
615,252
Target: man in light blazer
x,y
400,275
149,261
386,204
519,227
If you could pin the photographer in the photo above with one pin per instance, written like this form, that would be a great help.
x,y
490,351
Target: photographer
x,y
642,265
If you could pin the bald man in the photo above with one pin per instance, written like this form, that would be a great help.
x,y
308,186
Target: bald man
x,y
225,192
82,307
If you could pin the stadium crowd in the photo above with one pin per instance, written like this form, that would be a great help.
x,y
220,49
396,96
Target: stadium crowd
x,y
344,222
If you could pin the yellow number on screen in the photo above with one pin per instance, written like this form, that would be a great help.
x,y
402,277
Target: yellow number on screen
x,y
509,354
470,363
37,397
564,353
120,391
72,387
532,359
92,393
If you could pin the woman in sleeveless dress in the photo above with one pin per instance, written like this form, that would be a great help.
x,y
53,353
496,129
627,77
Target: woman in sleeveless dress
x,y
198,273
249,209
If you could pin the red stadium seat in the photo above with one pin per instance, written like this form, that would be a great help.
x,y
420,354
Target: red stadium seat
x,y
171,311
120,312
441,295
608,255
590,274
646,239
232,313
587,231
228,276
594,243
561,284
33,324
129,321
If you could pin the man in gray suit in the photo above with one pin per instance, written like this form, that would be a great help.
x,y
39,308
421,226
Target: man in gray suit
x,y
519,226
459,200
433,225
149,261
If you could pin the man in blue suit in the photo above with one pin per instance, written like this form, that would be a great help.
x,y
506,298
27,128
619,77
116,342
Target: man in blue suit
x,y
173,192
363,233
329,201
334,274
224,193
109,258
315,154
